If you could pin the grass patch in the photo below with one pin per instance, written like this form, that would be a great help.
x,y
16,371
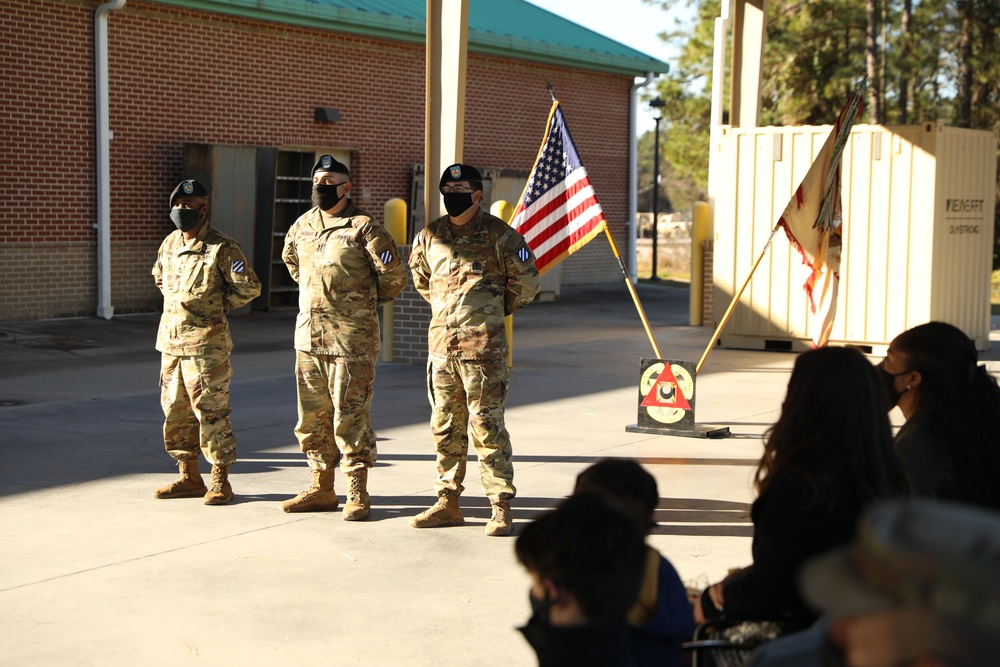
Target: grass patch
x,y
672,281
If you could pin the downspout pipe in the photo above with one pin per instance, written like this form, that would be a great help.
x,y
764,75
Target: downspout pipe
x,y
633,174
103,136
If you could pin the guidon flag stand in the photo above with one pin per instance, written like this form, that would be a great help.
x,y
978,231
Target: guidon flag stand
x,y
667,400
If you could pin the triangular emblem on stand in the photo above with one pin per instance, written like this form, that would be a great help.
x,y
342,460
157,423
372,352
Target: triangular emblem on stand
x,y
666,401
666,392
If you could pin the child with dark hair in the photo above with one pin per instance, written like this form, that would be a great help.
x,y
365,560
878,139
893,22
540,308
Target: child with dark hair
x,y
585,559
661,617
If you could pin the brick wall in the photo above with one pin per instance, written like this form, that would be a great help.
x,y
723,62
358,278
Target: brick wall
x,y
132,283
46,279
412,316
708,282
51,279
243,82
595,262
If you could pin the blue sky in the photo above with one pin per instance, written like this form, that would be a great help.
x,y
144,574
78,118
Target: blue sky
x,y
631,22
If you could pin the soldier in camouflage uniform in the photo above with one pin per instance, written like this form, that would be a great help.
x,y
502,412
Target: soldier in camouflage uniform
x,y
346,264
202,274
474,270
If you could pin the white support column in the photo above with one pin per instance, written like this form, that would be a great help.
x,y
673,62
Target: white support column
x,y
718,90
749,29
748,19
447,39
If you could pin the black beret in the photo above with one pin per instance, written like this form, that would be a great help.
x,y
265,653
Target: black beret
x,y
462,172
330,163
188,188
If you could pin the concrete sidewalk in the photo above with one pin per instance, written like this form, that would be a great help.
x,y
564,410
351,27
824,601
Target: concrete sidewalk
x,y
97,572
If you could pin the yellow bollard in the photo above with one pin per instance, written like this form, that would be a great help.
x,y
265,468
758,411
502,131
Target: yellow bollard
x,y
503,210
394,221
700,230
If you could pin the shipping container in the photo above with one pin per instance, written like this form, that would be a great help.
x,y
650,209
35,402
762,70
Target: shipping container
x,y
918,205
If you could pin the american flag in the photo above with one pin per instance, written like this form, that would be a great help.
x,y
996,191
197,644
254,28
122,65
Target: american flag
x,y
558,212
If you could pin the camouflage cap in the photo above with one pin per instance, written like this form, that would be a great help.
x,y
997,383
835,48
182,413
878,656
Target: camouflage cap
x,y
941,556
330,163
188,188
462,172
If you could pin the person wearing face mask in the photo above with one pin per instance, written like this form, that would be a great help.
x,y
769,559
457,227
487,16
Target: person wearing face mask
x,y
473,269
202,275
346,265
950,443
586,559
660,619
827,457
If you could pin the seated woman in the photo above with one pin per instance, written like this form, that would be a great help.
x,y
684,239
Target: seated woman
x,y
828,455
950,444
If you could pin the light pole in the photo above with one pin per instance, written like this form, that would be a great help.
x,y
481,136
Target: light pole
x,y
657,106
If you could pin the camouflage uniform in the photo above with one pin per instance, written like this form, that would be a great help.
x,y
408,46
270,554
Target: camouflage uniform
x,y
472,279
346,265
201,280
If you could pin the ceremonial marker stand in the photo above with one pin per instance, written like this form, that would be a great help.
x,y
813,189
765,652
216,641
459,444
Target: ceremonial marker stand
x,y
667,400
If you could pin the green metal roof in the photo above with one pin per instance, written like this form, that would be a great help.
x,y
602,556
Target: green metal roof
x,y
509,28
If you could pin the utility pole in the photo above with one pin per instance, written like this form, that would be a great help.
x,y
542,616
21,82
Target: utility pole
x,y
657,106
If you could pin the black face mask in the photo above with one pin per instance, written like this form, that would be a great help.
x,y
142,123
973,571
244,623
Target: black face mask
x,y
889,380
457,203
325,196
185,219
540,609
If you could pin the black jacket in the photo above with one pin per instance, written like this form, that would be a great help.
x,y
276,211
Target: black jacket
x,y
591,645
789,529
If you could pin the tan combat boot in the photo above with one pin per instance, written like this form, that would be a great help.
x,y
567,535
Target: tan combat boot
x,y
221,491
358,501
188,485
500,523
319,497
445,512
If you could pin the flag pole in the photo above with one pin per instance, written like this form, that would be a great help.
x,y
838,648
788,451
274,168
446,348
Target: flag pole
x,y
603,223
732,304
631,289
825,213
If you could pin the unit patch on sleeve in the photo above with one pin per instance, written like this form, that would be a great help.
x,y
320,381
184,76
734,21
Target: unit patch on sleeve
x,y
238,266
383,252
523,254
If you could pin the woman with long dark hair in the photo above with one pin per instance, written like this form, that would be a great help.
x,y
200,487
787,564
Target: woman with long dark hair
x,y
826,458
950,444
